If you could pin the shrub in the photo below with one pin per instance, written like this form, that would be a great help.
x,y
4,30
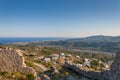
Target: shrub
x,y
94,64
3,73
17,74
30,77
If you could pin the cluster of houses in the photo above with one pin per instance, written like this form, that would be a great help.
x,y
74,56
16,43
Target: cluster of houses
x,y
54,57
87,63
64,57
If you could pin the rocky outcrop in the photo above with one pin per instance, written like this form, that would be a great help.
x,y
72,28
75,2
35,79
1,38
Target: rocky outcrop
x,y
87,74
13,61
114,72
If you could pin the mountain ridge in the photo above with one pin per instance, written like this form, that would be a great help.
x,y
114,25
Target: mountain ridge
x,y
95,43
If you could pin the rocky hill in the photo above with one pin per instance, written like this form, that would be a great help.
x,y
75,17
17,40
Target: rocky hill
x,y
13,61
95,43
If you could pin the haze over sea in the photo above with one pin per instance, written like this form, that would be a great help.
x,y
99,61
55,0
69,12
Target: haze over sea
x,y
25,39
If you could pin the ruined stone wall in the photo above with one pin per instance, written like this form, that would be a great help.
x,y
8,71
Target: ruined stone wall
x,y
114,72
88,74
13,61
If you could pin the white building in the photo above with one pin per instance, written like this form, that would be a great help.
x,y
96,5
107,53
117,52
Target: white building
x,y
77,56
107,66
62,55
79,65
87,62
100,62
54,57
47,59
69,55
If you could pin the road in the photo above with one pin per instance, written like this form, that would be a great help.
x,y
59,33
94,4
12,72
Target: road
x,y
41,66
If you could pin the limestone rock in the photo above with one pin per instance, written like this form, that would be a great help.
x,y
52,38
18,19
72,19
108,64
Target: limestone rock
x,y
114,73
13,61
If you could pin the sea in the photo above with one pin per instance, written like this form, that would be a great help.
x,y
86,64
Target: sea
x,y
15,40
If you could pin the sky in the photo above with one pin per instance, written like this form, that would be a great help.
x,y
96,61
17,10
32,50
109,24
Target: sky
x,y
59,18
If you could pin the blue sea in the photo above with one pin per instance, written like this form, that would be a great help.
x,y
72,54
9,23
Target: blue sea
x,y
14,40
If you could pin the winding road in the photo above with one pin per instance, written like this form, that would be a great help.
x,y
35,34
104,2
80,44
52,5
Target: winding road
x,y
41,66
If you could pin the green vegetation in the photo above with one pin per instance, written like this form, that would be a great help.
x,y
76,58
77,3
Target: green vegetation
x,y
95,43
94,64
48,64
29,63
30,77
15,76
31,52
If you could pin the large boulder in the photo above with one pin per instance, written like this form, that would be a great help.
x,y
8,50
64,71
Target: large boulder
x,y
13,61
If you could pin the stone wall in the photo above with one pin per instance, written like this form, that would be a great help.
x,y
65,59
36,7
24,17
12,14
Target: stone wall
x,y
88,74
114,72
13,61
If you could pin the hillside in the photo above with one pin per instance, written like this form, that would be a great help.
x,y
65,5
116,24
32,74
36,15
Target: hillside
x,y
95,43
16,61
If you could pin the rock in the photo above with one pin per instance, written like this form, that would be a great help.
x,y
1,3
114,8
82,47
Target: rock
x,y
114,72
70,78
13,61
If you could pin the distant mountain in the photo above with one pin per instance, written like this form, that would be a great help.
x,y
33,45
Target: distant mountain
x,y
98,43
99,38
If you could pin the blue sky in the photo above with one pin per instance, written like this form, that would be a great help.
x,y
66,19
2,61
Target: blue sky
x,y
59,18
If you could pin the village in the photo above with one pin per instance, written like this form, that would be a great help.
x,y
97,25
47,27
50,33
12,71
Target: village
x,y
83,63
61,65
54,62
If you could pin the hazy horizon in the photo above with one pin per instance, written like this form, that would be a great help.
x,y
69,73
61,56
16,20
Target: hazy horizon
x,y
61,37
59,18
